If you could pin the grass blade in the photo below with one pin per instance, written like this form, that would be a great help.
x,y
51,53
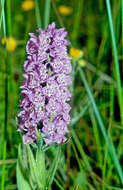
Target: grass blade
x,y
37,13
110,145
81,150
3,166
3,17
6,71
52,170
47,13
122,17
2,11
9,24
76,118
82,153
34,169
117,69
77,18
96,134
122,25
21,182
58,184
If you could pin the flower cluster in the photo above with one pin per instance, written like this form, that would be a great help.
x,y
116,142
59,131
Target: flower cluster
x,y
45,88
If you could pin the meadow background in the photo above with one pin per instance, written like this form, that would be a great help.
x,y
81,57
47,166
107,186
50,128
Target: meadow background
x,y
93,156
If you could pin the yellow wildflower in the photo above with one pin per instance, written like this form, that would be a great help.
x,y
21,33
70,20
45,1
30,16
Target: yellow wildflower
x,y
27,5
65,10
10,42
82,62
76,53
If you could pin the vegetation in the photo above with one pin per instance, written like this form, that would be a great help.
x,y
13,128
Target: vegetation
x,y
92,158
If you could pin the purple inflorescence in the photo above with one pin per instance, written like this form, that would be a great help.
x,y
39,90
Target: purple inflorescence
x,y
45,89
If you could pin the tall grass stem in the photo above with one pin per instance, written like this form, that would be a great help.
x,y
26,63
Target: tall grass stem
x,y
117,69
47,13
77,19
3,166
3,17
108,140
37,14
9,25
122,31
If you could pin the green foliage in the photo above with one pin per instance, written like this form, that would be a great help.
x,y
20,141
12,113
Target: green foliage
x,y
21,182
30,169
52,170
84,162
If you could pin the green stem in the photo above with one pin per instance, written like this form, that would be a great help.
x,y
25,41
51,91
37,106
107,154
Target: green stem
x,y
110,145
47,13
117,70
40,160
3,166
96,134
82,153
2,12
3,17
6,71
122,32
58,184
84,156
53,168
111,101
8,6
37,13
77,157
3,179
104,167
6,97
77,19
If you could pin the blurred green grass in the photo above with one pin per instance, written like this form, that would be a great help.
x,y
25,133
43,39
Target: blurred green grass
x,y
85,162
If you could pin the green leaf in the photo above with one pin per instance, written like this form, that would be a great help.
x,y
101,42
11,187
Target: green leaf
x,y
3,178
2,19
21,181
34,169
47,13
53,168
37,14
116,62
23,164
58,184
40,164
22,161
77,18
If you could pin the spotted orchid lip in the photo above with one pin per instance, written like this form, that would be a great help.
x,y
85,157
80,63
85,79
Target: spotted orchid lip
x,y
45,87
